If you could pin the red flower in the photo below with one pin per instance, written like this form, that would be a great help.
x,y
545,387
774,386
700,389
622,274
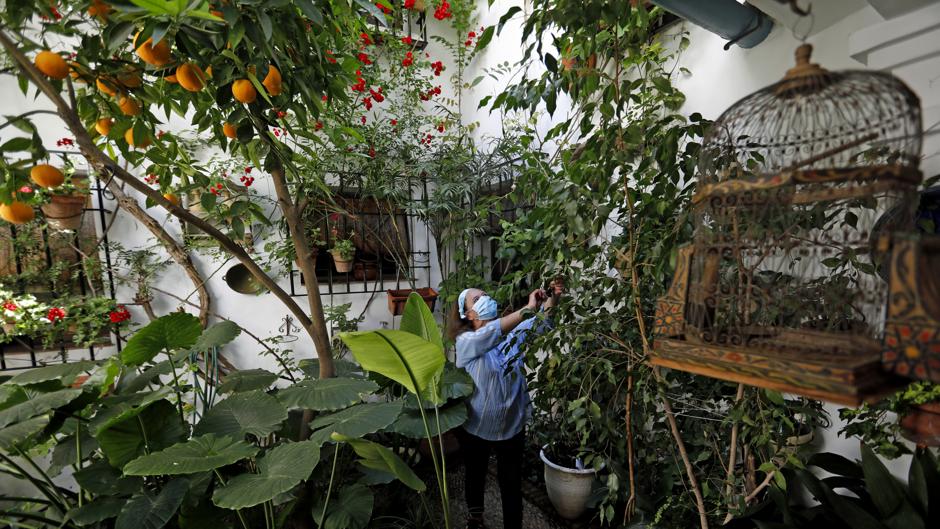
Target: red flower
x,y
407,40
334,217
55,314
160,133
324,98
372,152
408,60
366,40
26,189
364,58
383,9
318,126
65,142
440,127
468,43
438,67
281,113
329,57
377,95
248,169
394,122
443,11
367,102
363,118
409,4
120,314
9,305
472,34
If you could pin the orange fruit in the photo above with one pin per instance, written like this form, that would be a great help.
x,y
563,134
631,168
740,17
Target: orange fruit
x,y
46,175
208,71
129,138
272,81
106,86
156,55
52,65
175,200
130,80
17,212
244,91
129,106
171,79
229,130
103,126
99,9
191,77
77,72
216,12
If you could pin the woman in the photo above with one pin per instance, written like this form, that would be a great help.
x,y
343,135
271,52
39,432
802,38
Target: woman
x,y
488,348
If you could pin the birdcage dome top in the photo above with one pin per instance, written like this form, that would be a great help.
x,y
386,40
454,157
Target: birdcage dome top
x,y
816,121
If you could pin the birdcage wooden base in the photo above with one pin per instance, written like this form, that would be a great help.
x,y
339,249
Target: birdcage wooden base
x,y
839,378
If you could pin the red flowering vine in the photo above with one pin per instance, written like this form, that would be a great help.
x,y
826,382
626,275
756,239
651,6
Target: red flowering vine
x,y
365,38
407,40
247,180
394,122
377,95
65,142
438,67
431,93
409,4
364,58
408,60
367,101
382,8
443,11
330,58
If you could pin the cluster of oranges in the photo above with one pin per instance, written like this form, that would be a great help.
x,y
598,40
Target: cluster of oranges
x,y
43,175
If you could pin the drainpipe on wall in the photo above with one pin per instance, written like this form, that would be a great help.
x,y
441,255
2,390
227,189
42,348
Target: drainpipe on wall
x,y
738,23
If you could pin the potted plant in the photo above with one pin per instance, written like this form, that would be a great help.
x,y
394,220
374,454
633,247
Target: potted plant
x,y
568,480
343,251
64,204
398,297
20,314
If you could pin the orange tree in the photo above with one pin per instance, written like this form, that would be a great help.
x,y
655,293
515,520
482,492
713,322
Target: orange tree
x,y
236,71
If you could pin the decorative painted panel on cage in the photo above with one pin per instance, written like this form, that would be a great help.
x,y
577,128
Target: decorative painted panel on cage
x,y
800,258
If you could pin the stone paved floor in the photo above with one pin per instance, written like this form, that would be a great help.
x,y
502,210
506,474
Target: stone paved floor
x,y
533,517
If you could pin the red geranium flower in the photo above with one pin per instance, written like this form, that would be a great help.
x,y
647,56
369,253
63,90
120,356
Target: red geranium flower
x,y
438,67
364,58
443,11
120,314
383,9
366,40
408,60
9,305
394,122
407,39
377,95
26,189
409,4
55,314
248,169
367,102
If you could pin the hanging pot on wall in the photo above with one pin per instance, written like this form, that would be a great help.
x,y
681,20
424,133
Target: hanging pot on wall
x,y
240,279
343,266
64,212
365,271
398,297
922,424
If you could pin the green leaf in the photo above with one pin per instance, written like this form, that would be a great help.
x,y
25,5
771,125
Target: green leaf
x,y
381,459
217,335
341,368
117,408
418,320
39,404
836,464
252,412
102,479
326,395
279,470
455,383
154,428
167,333
410,424
886,493
17,144
146,511
485,38
247,380
96,511
350,509
355,421
397,355
199,454
15,435
64,373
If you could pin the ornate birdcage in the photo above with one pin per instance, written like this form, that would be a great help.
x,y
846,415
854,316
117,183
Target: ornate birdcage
x,y
804,270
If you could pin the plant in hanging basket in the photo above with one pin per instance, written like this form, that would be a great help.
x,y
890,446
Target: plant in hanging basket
x,y
64,204
398,297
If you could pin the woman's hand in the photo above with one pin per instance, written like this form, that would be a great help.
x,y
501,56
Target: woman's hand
x,y
535,297
555,288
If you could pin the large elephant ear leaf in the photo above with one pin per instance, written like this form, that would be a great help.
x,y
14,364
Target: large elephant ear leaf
x,y
356,421
279,471
413,362
252,412
886,492
411,424
174,331
381,459
39,404
64,373
417,319
247,380
199,454
96,511
147,511
218,335
19,433
351,509
326,394
155,427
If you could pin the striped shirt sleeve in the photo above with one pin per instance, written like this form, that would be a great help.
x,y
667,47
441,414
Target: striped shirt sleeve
x,y
471,345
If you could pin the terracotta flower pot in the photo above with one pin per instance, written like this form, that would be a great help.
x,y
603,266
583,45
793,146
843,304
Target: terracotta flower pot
x,y
398,298
8,327
64,212
365,271
922,424
343,266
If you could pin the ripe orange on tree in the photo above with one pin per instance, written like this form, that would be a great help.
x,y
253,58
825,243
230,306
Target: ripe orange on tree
x,y
174,199
244,91
130,79
17,212
129,138
272,81
191,77
99,8
230,131
103,126
129,106
154,54
171,78
52,64
46,175
106,86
